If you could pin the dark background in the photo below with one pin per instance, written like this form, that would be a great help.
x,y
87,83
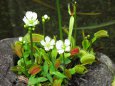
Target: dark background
x,y
12,13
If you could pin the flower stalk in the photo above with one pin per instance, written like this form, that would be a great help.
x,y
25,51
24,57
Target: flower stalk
x,y
59,19
75,25
71,11
31,45
71,24
30,20
22,42
44,19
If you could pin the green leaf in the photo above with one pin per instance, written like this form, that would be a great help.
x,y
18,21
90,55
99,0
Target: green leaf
x,y
67,60
45,68
17,69
98,25
85,44
41,79
101,33
87,59
52,68
33,80
59,75
45,56
54,53
67,73
26,54
49,78
72,70
35,37
57,82
80,69
66,55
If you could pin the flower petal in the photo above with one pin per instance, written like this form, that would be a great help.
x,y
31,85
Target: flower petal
x,y
34,16
67,48
47,39
52,42
59,44
43,43
29,15
67,42
47,48
61,51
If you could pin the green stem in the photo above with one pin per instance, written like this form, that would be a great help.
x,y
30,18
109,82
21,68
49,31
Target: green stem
x,y
43,28
63,58
83,34
31,45
71,24
75,25
25,67
59,19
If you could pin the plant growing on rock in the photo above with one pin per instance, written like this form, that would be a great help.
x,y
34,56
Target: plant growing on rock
x,y
46,61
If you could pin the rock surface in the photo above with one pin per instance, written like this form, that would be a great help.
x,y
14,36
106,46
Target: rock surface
x,y
7,77
100,73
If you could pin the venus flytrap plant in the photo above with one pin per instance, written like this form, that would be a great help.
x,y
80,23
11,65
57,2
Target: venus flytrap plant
x,y
47,61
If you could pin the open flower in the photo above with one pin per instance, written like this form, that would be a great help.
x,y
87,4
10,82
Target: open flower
x,y
48,43
63,46
30,19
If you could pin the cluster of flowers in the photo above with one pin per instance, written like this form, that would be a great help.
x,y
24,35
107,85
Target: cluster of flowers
x,y
30,20
61,46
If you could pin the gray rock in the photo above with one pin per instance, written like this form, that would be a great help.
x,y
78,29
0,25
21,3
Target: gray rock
x,y
7,77
100,73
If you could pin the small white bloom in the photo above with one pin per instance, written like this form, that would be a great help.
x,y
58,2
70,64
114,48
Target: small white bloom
x,y
63,46
20,38
48,43
30,18
46,16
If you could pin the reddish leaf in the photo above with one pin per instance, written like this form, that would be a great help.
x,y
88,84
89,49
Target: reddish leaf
x,y
58,62
18,49
34,69
74,51
37,37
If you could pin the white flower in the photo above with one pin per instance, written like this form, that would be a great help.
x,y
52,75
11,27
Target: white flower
x,y
46,16
63,46
48,43
20,38
30,19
